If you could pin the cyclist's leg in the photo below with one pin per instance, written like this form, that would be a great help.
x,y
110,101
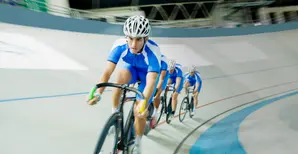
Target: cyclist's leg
x,y
196,96
158,93
140,123
175,96
186,85
127,75
156,100
165,83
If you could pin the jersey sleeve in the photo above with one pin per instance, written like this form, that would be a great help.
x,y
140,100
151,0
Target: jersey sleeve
x,y
164,65
115,54
179,73
154,59
154,64
185,75
198,78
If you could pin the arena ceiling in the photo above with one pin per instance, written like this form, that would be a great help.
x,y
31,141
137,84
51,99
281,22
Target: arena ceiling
x,y
95,4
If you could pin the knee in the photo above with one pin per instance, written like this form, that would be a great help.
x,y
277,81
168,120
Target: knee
x,y
175,95
140,116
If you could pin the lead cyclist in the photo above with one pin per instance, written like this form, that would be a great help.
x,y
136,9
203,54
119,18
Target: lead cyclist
x,y
142,61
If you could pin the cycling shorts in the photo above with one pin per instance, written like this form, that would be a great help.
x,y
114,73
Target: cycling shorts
x,y
138,74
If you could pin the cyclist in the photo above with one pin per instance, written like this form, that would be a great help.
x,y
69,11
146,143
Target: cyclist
x,y
192,78
175,78
163,79
142,60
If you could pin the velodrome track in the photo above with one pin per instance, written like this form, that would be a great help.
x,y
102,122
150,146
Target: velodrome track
x,y
247,103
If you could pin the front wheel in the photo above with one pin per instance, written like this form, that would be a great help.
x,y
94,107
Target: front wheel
x,y
183,107
111,123
169,111
160,110
191,106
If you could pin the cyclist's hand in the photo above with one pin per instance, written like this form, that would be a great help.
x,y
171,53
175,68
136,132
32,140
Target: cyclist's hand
x,y
145,113
94,100
94,96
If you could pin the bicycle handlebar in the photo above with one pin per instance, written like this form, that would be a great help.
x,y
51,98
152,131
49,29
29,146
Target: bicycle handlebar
x,y
121,86
171,87
190,90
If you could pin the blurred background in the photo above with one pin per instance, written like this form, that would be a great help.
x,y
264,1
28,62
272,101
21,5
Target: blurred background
x,y
172,13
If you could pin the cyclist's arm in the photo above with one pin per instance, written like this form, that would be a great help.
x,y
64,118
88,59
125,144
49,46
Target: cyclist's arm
x,y
150,83
154,67
197,86
198,79
185,81
112,60
178,80
106,75
161,78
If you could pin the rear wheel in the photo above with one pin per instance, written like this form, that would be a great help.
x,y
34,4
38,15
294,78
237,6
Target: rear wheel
x,y
112,123
183,109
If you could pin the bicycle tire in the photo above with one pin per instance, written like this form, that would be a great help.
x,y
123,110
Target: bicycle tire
x,y
112,121
191,104
161,111
185,101
169,111
129,130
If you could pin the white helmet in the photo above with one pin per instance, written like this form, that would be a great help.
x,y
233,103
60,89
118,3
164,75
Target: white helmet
x,y
136,26
172,64
192,68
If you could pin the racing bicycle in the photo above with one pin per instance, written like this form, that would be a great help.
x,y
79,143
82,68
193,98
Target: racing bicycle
x,y
123,133
186,105
165,108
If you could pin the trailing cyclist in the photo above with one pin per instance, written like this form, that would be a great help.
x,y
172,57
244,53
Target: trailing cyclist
x,y
192,78
162,83
175,78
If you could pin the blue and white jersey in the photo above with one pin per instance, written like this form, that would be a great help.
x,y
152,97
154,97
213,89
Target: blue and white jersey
x,y
193,79
148,60
176,73
164,63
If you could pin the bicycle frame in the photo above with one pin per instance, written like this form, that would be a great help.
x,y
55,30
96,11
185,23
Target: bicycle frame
x,y
168,88
121,144
188,91
190,103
